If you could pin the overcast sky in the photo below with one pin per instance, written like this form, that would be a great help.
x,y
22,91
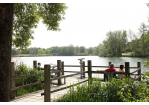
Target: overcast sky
x,y
87,23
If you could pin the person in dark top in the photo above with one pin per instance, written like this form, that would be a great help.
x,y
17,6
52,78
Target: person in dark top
x,y
40,68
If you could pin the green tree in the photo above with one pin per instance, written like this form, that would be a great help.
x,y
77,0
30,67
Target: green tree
x,y
116,41
20,19
90,50
40,51
82,49
77,49
47,51
95,50
30,51
142,30
27,16
35,50
102,50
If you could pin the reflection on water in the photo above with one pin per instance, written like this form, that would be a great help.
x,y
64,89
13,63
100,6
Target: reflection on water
x,y
73,60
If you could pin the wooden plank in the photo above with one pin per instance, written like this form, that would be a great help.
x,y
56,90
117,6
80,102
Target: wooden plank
x,y
139,72
31,84
62,67
31,75
54,71
73,71
35,64
59,73
95,66
127,70
64,76
89,70
47,83
135,70
64,87
83,69
71,65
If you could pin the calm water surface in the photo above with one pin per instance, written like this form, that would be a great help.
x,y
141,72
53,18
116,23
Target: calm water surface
x,y
73,60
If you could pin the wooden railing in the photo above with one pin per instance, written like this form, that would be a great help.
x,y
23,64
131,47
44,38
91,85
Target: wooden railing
x,y
60,69
13,79
47,81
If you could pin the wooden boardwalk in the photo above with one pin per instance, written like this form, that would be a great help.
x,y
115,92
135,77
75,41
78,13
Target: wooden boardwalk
x,y
36,96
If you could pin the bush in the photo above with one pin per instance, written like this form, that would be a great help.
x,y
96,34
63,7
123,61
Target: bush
x,y
125,90
22,70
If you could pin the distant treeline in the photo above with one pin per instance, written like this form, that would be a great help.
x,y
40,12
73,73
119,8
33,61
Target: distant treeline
x,y
115,44
59,51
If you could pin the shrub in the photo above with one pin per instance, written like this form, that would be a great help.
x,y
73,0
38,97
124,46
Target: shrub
x,y
125,90
22,70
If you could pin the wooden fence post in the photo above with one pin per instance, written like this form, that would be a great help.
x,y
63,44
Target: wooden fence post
x,y
139,72
47,83
12,82
35,64
109,63
83,69
89,70
63,71
62,67
127,69
59,73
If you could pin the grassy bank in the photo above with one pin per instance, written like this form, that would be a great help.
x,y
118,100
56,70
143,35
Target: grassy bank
x,y
29,55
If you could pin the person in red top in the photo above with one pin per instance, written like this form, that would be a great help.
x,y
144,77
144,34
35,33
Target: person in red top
x,y
110,69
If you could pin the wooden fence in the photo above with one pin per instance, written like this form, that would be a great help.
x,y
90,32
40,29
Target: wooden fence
x,y
60,69
47,81
13,79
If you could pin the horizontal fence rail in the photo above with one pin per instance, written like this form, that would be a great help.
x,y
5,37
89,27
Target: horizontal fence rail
x,y
94,66
31,75
66,76
65,87
31,84
136,70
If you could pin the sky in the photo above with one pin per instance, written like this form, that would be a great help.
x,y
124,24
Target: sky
x,y
86,23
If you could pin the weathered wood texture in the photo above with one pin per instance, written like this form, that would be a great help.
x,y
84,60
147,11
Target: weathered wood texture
x,y
59,73
83,69
139,72
35,64
47,83
127,70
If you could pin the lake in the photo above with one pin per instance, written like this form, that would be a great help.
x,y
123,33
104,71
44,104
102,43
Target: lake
x,y
73,60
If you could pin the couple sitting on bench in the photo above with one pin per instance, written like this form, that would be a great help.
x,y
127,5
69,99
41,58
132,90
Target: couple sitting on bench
x,y
111,72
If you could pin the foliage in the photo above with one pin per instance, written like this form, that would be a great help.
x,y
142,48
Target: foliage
x,y
40,51
114,44
125,90
27,16
47,51
22,70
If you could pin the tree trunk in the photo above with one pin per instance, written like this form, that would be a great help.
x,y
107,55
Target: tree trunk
x,y
6,25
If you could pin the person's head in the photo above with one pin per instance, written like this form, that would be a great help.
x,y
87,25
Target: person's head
x,y
111,66
39,63
121,67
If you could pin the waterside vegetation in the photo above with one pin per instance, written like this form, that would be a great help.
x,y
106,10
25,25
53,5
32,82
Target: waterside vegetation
x,y
125,90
